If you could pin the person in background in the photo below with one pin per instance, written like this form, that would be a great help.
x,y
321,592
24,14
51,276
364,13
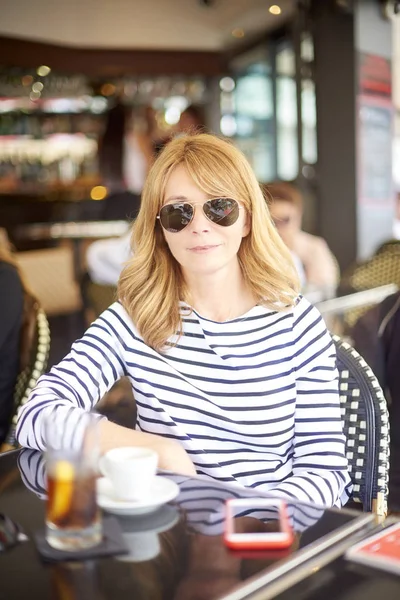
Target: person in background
x,y
11,319
111,149
233,372
192,120
125,156
396,222
286,206
105,258
138,154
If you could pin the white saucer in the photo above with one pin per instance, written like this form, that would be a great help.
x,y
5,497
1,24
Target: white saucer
x,y
160,520
141,533
163,490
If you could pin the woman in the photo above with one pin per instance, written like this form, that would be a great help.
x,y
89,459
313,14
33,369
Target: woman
x,y
11,315
319,265
233,373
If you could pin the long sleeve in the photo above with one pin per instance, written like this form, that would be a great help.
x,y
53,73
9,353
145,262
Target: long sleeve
x,y
75,385
320,472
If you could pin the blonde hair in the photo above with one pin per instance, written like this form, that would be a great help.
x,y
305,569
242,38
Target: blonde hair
x,y
151,284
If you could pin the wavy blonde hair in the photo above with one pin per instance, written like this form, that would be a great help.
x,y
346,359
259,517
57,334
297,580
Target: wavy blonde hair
x,y
151,284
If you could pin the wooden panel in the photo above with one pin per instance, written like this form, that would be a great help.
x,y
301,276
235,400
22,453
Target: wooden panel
x,y
105,62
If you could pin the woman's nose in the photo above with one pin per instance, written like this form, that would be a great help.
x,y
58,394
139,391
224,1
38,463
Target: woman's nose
x,y
199,223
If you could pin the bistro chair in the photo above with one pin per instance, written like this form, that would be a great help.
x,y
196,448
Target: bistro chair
x,y
366,427
50,274
35,347
381,269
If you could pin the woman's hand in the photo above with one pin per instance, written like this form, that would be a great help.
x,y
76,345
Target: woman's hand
x,y
171,455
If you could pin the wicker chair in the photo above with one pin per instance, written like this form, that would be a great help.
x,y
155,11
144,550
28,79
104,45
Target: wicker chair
x,y
34,357
366,427
380,269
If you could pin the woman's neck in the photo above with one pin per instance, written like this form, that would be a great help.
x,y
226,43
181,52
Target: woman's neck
x,y
220,296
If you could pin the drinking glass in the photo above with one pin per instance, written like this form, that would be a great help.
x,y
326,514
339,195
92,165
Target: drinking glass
x,y
73,520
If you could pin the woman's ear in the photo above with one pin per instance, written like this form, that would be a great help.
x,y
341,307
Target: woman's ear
x,y
246,225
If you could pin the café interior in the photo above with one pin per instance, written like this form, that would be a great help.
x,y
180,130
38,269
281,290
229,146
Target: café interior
x,y
309,92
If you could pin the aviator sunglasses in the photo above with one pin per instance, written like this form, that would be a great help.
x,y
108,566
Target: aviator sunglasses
x,y
176,216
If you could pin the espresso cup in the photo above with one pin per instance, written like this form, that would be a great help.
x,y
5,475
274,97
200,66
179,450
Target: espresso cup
x,y
131,471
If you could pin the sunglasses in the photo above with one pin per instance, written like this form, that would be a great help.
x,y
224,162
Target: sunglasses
x,y
176,216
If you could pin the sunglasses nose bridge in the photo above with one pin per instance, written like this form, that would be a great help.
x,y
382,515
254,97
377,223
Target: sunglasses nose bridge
x,y
199,218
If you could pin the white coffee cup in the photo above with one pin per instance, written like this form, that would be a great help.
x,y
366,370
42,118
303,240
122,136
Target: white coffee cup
x,y
131,471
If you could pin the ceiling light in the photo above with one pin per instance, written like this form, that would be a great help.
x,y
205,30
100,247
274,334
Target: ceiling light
x,y
275,9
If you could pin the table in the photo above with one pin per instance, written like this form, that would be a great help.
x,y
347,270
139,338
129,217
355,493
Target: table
x,y
74,230
187,557
75,233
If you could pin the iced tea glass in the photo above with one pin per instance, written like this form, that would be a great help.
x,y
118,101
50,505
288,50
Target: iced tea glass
x,y
73,520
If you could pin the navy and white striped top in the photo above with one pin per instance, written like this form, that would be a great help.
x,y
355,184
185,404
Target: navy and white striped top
x,y
253,400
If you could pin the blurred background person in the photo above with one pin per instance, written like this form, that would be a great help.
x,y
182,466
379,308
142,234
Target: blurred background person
x,y
312,252
125,155
138,151
105,258
11,319
192,120
396,223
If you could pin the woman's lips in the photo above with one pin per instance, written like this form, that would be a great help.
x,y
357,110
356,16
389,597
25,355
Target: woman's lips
x,y
203,249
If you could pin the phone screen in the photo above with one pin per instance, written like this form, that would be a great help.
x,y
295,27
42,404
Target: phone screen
x,y
256,521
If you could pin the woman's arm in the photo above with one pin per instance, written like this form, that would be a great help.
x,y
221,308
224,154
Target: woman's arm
x,y
320,471
77,383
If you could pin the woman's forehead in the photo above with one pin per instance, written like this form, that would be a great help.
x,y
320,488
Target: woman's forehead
x,y
181,185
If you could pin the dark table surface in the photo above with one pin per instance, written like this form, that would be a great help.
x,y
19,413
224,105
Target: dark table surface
x,y
190,560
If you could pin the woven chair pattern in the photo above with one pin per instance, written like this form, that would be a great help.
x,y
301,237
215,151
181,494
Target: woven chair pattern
x,y
366,427
28,377
381,269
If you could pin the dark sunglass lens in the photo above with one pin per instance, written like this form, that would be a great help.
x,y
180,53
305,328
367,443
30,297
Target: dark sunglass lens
x,y
175,217
224,211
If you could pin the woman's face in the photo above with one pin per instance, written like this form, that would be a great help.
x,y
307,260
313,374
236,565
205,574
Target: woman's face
x,y
202,247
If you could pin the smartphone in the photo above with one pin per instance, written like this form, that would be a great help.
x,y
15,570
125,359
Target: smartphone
x,y
381,550
257,524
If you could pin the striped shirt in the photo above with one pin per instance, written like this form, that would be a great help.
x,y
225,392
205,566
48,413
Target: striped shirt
x,y
253,400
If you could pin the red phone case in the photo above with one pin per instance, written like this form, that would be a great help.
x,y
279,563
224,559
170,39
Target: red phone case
x,y
382,550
